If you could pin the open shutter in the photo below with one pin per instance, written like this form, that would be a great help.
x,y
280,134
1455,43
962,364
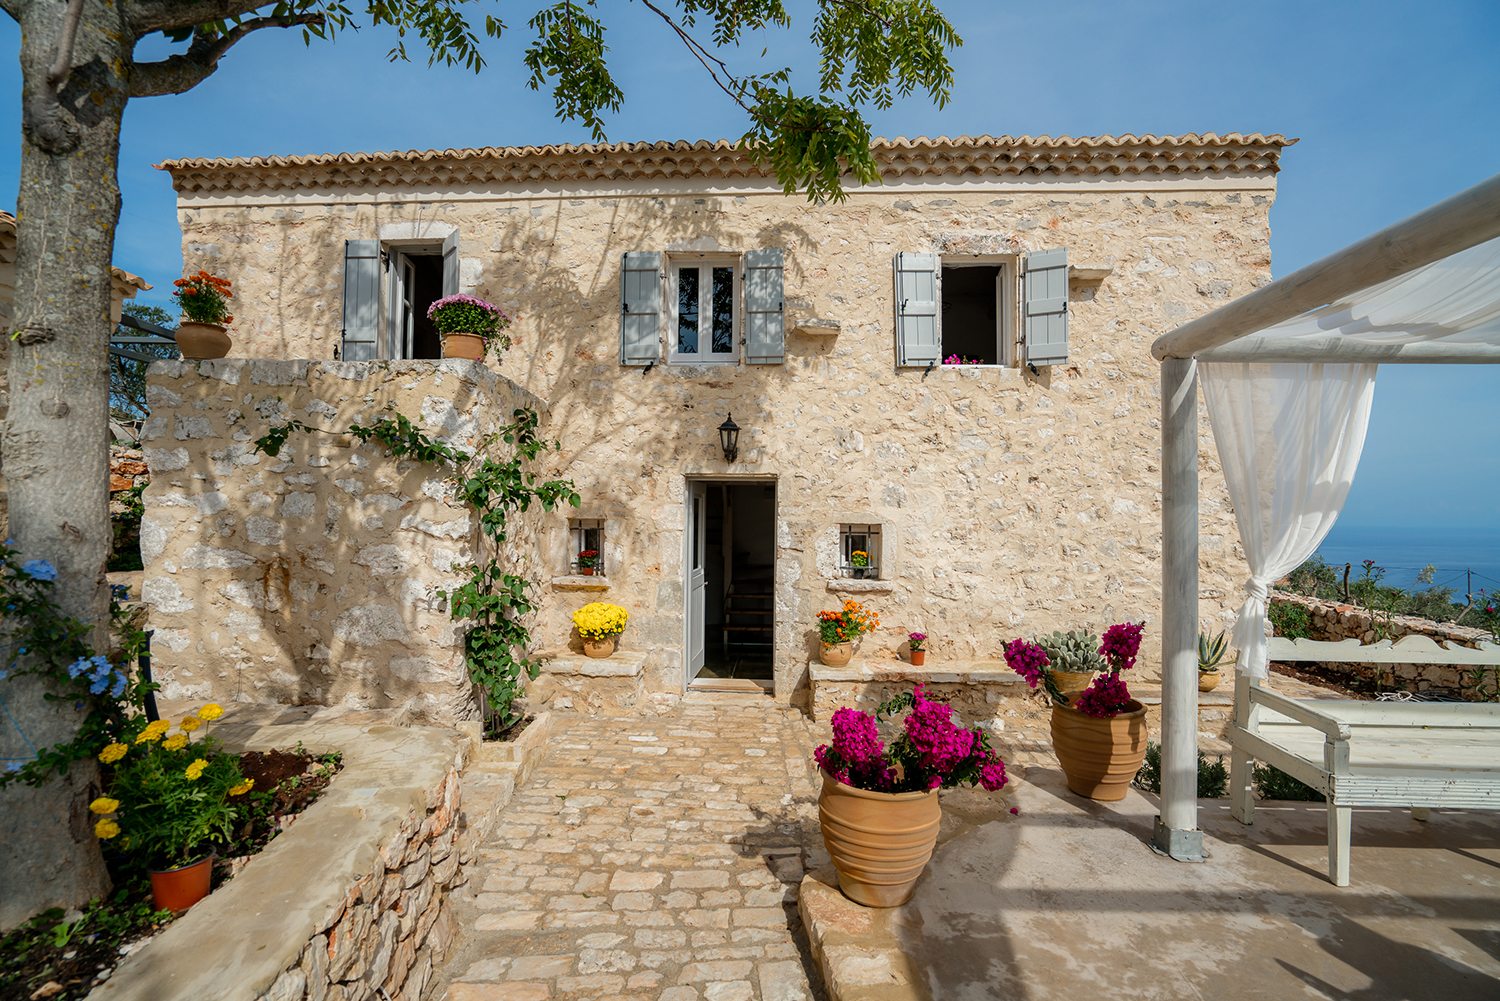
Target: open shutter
x,y
450,264
765,299
917,341
1046,307
361,299
640,307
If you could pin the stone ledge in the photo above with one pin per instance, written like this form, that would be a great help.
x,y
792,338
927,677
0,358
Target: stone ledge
x,y
621,664
257,934
847,585
951,672
817,326
857,948
580,582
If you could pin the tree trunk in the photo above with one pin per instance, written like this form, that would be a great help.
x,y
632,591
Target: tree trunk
x,y
55,441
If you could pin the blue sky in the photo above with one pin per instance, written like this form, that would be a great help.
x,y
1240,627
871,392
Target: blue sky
x,y
1394,103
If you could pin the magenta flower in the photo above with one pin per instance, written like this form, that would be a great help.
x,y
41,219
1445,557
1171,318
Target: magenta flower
x,y
992,776
939,744
1027,659
1121,644
1105,698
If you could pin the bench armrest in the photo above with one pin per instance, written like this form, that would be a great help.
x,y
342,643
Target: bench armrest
x,y
1334,729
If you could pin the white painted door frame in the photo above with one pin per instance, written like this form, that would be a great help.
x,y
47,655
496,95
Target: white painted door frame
x,y
696,575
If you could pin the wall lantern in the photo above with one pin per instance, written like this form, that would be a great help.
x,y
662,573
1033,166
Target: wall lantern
x,y
729,438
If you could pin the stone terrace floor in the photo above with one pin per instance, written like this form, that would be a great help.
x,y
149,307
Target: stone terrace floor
x,y
651,856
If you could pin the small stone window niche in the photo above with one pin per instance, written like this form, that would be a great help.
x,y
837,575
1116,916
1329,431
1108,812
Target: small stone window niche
x,y
859,552
586,546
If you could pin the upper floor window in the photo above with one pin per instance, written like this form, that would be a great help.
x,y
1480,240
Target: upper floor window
x,y
709,308
704,294
976,303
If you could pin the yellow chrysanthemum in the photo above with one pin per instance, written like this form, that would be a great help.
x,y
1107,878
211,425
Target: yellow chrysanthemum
x,y
106,829
195,770
190,723
599,619
211,712
153,732
104,805
113,753
176,742
240,788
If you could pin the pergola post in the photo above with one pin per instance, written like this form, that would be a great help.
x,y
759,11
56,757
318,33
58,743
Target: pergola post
x,y
1176,832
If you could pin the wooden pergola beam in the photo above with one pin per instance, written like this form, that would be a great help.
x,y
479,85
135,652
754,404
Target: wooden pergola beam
x,y
1353,350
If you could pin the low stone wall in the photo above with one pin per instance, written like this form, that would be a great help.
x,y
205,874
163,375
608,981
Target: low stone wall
x,y
977,690
571,681
1333,621
312,577
348,904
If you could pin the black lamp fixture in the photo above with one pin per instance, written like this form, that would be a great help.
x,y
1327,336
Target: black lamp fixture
x,y
729,438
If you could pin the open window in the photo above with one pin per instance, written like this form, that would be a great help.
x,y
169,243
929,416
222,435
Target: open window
x,y
975,326
963,310
388,287
415,281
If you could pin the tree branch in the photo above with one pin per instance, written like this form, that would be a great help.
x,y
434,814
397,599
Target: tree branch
x,y
186,70
711,62
146,16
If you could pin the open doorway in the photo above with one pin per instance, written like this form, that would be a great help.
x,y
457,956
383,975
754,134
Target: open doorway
x,y
416,283
730,584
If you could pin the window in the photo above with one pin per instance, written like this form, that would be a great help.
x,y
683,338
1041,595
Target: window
x,y
416,282
859,551
703,300
975,324
587,542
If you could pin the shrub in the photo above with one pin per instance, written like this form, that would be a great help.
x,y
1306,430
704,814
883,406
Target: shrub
x,y
1213,776
1291,621
1273,783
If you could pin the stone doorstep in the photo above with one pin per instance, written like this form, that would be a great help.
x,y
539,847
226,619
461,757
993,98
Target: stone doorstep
x,y
233,945
856,948
622,664
947,672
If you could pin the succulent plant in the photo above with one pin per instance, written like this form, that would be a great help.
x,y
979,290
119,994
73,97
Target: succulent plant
x,y
1076,650
1211,651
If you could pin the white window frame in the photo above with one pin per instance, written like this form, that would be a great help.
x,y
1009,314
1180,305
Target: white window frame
x,y
705,262
1007,301
578,535
871,531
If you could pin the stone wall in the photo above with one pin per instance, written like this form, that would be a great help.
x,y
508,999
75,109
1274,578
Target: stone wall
x,y
311,578
1012,503
1334,621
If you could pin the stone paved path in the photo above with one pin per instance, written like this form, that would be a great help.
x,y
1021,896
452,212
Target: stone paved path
x,y
655,856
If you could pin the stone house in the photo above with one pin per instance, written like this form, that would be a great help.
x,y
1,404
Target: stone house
x,y
662,289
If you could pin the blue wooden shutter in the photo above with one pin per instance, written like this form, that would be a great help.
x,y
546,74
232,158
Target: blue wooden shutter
x,y
917,342
361,299
765,299
450,264
640,308
1046,307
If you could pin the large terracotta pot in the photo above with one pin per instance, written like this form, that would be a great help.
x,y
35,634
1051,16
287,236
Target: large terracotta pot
x,y
599,649
1099,756
1208,680
199,341
1072,683
178,889
879,841
466,346
918,658
835,654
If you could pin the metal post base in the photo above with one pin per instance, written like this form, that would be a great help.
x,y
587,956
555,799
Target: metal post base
x,y
1182,846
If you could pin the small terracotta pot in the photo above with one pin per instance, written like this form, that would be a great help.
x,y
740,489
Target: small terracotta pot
x,y
1208,680
599,649
918,658
1099,756
467,346
1072,683
178,889
201,341
586,571
835,654
879,842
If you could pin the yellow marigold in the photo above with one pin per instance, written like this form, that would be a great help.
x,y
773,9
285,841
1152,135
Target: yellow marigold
x,y
104,805
113,752
211,712
190,723
600,619
240,788
195,770
153,732
106,829
176,742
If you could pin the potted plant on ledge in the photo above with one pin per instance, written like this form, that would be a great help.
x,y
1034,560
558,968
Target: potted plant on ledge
x,y
588,562
469,326
204,300
837,632
918,644
599,625
879,809
1099,739
1211,653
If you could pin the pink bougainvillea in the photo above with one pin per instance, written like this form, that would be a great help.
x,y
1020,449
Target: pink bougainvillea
x,y
1108,695
1027,659
1121,644
1105,698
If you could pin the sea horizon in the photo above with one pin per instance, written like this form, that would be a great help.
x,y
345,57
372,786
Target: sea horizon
x,y
1462,556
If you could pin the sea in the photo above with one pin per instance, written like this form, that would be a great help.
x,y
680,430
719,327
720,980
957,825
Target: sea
x,y
1463,557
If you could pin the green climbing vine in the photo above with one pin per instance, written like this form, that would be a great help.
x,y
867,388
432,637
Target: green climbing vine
x,y
492,602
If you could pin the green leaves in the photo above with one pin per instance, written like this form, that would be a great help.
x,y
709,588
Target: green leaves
x,y
568,53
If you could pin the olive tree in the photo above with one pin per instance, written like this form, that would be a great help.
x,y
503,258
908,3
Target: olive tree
x,y
79,70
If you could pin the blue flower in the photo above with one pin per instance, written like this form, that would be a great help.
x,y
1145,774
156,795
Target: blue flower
x,y
101,682
121,592
78,667
39,570
118,688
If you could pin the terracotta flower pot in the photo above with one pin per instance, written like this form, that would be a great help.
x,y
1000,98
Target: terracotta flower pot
x,y
1072,683
1208,680
835,654
1099,756
178,889
200,341
466,346
879,842
918,658
586,571
599,649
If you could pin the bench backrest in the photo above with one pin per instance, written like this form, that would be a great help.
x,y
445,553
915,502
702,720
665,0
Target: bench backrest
x,y
1413,649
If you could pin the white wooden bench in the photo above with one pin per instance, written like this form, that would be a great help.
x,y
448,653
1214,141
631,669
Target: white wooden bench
x,y
1408,754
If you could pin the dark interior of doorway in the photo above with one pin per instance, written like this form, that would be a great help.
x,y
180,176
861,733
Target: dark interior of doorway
x,y
428,270
739,615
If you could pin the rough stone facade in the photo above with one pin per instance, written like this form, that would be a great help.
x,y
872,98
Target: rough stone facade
x,y
311,578
1333,621
1011,502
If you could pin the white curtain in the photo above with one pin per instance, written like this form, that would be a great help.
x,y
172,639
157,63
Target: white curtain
x,y
1289,439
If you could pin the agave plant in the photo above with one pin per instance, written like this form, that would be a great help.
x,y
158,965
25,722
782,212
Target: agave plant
x,y
1211,651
